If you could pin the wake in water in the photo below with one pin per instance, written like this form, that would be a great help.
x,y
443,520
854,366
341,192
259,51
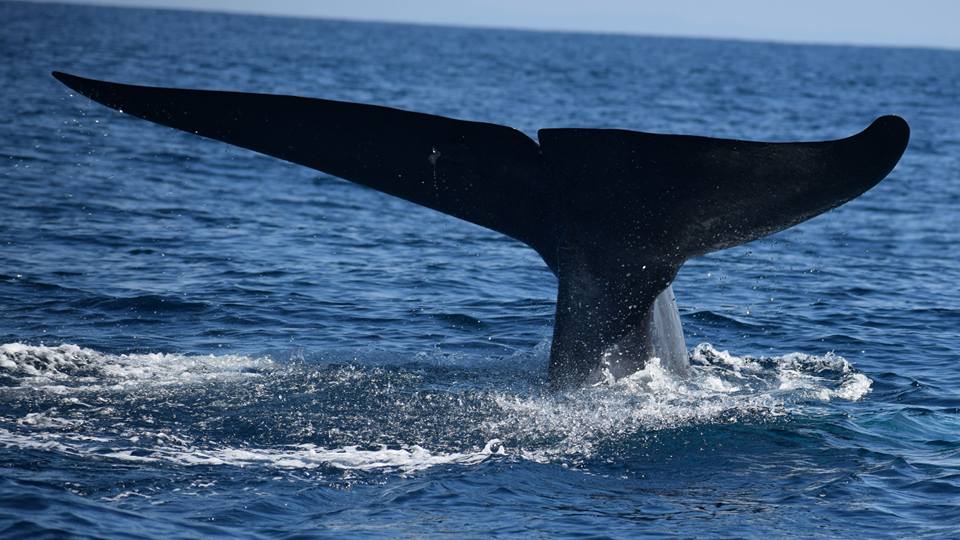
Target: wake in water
x,y
239,411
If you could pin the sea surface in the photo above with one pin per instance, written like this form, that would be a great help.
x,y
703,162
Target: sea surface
x,y
199,341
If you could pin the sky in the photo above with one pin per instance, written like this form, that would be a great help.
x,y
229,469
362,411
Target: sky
x,y
928,23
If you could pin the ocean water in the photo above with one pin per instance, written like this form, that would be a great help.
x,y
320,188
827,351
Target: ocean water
x,y
201,341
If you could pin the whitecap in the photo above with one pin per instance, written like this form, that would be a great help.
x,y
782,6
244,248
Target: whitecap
x,y
69,368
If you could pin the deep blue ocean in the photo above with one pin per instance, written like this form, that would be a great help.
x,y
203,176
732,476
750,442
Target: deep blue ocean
x,y
200,341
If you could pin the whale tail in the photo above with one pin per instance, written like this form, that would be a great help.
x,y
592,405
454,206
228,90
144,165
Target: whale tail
x,y
636,206
613,213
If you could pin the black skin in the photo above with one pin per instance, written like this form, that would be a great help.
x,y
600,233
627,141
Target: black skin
x,y
613,213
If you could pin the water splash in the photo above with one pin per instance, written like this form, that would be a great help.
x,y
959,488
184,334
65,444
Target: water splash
x,y
356,417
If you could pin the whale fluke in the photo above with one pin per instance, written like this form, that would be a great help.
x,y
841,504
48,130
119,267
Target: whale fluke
x,y
483,173
613,213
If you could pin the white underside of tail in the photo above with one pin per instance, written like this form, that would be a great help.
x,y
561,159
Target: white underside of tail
x,y
666,344
666,333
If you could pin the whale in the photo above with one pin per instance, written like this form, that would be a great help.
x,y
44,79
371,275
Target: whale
x,y
613,213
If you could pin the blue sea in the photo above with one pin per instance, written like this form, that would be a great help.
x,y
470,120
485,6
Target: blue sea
x,y
200,341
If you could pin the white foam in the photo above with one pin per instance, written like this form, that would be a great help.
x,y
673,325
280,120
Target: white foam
x,y
854,388
69,368
124,495
49,421
720,388
405,459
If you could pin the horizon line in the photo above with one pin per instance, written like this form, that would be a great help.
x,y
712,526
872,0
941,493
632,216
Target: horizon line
x,y
509,28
